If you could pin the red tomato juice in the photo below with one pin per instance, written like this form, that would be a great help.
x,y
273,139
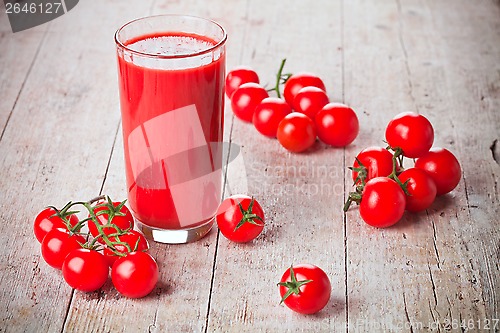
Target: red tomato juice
x,y
172,118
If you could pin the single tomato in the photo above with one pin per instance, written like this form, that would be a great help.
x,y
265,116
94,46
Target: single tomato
x,y
421,189
383,202
57,244
112,218
50,218
305,288
298,81
238,76
443,167
296,132
245,99
411,132
310,100
85,270
337,124
240,218
268,114
135,275
375,162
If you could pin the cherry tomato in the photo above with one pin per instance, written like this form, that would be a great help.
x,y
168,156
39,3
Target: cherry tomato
x,y
109,215
337,124
296,132
421,188
268,115
47,220
57,244
240,218
377,162
383,202
309,100
134,239
411,132
443,167
135,275
298,81
237,77
85,270
245,99
305,288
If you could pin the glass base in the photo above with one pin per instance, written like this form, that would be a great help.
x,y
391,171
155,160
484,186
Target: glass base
x,y
171,236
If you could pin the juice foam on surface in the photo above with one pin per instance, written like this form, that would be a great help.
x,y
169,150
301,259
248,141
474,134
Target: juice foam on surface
x,y
184,46
170,45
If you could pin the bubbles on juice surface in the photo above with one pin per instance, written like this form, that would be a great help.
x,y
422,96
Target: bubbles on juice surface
x,y
171,45
176,45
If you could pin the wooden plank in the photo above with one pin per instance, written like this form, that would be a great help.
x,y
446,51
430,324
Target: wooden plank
x,y
298,192
16,65
180,301
379,260
428,264
56,148
463,61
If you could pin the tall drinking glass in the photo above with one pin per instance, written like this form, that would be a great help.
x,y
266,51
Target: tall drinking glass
x,y
171,72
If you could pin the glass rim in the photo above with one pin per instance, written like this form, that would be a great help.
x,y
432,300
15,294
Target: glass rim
x,y
220,43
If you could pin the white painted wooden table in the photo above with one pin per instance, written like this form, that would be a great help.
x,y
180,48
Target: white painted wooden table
x,y
60,140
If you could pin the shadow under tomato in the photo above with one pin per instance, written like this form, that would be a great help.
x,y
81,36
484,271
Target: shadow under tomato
x,y
334,308
442,203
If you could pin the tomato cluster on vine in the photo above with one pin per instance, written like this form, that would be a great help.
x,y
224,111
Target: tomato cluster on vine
x,y
86,249
384,189
296,120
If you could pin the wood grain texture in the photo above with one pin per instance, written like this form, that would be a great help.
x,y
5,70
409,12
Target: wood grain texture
x,y
300,193
14,75
61,139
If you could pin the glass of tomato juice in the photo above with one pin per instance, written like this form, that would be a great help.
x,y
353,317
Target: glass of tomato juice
x,y
171,71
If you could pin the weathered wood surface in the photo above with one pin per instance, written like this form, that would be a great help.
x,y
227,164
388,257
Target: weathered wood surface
x,y
60,140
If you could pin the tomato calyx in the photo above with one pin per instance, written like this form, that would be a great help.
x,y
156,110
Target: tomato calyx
x,y
65,214
362,172
293,286
280,79
360,181
111,210
248,216
397,167
110,240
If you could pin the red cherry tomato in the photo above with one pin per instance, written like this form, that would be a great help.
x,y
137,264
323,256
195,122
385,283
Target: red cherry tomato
x,y
240,218
245,99
47,220
110,215
134,239
309,100
237,77
305,288
268,115
85,270
377,162
411,132
296,132
443,167
135,275
298,81
57,244
337,124
383,202
421,188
